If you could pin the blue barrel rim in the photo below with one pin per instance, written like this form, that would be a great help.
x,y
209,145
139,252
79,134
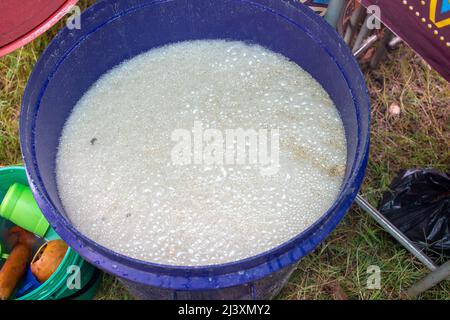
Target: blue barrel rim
x,y
193,277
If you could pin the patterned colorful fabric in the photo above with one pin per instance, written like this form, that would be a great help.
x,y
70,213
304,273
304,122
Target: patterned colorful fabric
x,y
319,6
423,24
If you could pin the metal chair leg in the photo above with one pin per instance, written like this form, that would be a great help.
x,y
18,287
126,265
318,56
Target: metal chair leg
x,y
430,280
334,11
363,33
381,50
355,20
365,45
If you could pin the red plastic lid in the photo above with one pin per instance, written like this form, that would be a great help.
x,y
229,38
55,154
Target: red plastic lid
x,y
23,21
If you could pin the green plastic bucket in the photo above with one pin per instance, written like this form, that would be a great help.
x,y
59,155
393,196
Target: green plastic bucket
x,y
56,287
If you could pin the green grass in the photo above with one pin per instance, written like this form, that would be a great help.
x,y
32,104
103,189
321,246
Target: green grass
x,y
112,289
418,137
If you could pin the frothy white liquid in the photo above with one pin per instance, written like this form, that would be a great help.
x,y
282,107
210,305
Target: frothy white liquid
x,y
120,187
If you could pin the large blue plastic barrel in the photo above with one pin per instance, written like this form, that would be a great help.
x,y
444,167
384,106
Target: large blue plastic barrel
x,y
115,30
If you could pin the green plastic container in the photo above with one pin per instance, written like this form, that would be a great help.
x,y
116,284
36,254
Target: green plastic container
x,y
56,287
19,207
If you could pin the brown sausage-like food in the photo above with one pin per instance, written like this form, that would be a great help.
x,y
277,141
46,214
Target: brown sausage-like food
x,y
19,235
48,259
16,264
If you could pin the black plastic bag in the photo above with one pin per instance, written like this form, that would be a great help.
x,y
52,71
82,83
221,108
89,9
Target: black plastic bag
x,y
418,204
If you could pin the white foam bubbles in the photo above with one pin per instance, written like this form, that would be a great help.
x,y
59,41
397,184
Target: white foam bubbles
x,y
120,188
